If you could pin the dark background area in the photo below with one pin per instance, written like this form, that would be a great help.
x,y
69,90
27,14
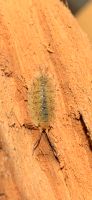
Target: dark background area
x,y
75,5
82,9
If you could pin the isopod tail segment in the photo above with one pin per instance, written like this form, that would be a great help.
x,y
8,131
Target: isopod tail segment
x,y
42,131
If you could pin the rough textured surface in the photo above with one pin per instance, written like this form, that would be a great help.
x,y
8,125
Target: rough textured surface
x,y
36,34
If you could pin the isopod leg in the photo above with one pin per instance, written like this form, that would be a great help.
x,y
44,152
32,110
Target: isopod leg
x,y
37,142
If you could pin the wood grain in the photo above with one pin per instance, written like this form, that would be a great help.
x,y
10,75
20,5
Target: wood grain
x,y
33,35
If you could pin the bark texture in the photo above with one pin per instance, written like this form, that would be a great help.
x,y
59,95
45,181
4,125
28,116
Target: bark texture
x,y
33,35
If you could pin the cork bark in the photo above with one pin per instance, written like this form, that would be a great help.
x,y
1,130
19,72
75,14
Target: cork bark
x,y
44,35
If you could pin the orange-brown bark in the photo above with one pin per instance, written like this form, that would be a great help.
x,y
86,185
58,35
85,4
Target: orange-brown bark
x,y
36,34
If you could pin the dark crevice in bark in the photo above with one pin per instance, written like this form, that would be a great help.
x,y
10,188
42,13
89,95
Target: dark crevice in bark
x,y
86,131
2,194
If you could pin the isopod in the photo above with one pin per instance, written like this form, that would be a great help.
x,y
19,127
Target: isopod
x,y
42,102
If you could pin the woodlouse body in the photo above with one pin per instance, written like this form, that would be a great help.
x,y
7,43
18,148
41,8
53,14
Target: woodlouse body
x,y
42,101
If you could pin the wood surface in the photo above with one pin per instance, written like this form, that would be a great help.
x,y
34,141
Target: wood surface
x,y
33,35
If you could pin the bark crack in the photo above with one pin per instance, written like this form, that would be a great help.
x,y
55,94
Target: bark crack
x,y
86,130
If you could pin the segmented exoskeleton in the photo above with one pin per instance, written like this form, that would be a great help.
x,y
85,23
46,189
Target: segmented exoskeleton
x,y
42,102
